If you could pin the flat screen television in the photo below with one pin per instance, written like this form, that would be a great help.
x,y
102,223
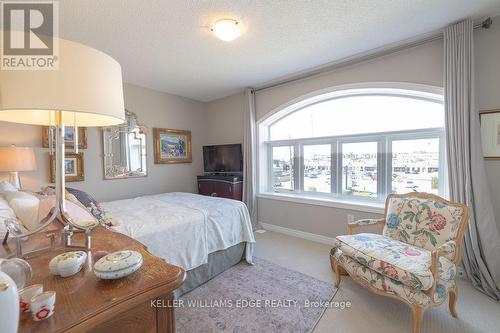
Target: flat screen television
x,y
223,158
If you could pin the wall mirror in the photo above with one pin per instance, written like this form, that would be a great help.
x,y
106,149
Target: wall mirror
x,y
124,149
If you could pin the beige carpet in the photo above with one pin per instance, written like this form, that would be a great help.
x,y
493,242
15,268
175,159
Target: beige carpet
x,y
369,312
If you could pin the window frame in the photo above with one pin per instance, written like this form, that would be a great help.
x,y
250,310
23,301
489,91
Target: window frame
x,y
384,162
401,89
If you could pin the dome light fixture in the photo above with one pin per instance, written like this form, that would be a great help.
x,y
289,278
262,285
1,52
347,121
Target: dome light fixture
x,y
226,29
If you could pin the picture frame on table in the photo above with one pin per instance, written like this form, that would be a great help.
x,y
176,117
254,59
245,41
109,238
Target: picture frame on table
x,y
68,137
490,133
172,146
73,164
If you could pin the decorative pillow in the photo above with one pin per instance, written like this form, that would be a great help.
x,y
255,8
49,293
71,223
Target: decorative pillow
x,y
92,205
5,186
75,210
25,206
88,202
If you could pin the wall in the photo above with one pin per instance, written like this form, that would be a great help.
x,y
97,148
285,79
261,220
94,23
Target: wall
x,y
225,123
423,65
153,109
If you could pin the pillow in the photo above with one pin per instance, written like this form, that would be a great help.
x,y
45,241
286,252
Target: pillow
x,y
5,213
25,206
88,202
5,186
92,205
75,210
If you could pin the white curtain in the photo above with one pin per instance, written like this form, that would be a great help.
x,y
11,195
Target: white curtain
x,y
249,156
467,179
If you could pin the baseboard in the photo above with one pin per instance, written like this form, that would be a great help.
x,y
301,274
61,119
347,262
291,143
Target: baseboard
x,y
298,233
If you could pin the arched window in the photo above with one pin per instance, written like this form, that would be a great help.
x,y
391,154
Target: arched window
x,y
358,144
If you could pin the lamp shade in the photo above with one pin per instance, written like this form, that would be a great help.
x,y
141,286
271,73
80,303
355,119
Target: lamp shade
x,y
87,88
13,159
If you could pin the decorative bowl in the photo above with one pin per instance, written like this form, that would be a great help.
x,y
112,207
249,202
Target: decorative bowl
x,y
118,264
68,263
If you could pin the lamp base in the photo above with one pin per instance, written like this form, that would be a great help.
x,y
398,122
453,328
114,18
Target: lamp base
x,y
14,179
67,238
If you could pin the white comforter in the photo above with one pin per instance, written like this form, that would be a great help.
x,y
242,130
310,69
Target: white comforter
x,y
183,228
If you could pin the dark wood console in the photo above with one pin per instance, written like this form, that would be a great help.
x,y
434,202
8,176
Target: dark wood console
x,y
230,187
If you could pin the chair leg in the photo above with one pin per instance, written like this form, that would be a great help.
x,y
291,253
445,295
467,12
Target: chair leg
x,y
418,315
453,301
336,269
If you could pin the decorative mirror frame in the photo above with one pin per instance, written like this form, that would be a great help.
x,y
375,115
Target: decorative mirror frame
x,y
131,122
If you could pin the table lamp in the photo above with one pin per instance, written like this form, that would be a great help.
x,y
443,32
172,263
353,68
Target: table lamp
x,y
16,159
85,90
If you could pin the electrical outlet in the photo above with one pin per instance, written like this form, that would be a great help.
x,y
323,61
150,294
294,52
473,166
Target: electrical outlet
x,y
461,272
350,218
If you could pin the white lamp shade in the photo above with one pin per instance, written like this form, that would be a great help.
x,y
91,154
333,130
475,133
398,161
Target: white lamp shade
x,y
87,88
14,159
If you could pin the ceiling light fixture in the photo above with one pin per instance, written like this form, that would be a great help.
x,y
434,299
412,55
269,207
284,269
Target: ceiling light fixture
x,y
226,29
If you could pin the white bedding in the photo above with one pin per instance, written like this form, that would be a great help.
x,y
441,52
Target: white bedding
x,y
184,228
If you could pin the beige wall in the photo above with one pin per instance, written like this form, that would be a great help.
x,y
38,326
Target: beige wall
x,y
422,64
153,109
225,120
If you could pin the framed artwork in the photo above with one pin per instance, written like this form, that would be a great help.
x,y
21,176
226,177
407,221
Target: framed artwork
x,y
69,134
172,146
490,133
73,166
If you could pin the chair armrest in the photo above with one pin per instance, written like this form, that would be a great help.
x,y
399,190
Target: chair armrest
x,y
362,223
448,250
445,250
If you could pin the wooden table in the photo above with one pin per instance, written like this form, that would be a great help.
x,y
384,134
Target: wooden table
x,y
84,303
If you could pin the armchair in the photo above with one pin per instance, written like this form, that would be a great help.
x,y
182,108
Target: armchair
x,y
414,259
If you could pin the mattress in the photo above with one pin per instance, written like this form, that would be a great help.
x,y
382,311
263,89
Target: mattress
x,y
184,228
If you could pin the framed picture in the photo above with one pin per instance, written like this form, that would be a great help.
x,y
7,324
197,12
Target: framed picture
x,y
172,146
69,135
73,166
490,133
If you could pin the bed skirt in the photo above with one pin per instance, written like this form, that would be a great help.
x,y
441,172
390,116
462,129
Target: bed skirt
x,y
218,262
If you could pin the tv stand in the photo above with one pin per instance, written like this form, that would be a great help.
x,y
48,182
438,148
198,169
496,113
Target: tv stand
x,y
221,185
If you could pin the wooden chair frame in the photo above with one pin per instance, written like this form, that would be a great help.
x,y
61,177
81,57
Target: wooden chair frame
x,y
417,310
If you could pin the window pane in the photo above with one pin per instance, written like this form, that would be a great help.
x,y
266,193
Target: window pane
x,y
359,169
317,173
283,168
415,166
358,115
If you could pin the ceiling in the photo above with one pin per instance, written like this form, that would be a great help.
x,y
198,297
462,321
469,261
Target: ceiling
x,y
164,44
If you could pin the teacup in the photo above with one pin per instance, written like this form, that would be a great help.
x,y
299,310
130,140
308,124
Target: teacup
x,y
42,305
26,294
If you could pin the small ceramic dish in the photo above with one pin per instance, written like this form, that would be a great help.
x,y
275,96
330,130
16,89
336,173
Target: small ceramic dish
x,y
85,225
26,294
68,263
118,264
42,305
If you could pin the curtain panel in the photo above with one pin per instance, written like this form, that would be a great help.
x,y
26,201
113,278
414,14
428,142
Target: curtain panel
x,y
250,156
467,179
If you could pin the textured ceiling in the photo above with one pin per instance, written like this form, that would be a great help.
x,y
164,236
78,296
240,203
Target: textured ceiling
x,y
161,44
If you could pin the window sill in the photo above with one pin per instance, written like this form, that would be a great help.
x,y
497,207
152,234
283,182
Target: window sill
x,y
375,208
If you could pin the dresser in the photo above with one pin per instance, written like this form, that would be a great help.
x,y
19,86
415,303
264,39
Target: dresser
x,y
137,303
230,187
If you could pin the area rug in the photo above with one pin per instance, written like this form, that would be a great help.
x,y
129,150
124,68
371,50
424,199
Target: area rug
x,y
263,297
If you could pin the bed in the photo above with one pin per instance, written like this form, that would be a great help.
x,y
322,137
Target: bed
x,y
204,235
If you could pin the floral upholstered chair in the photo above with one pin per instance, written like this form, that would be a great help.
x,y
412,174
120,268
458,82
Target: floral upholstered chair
x,y
414,259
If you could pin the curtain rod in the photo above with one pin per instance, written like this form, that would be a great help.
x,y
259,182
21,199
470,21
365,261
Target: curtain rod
x,y
486,24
